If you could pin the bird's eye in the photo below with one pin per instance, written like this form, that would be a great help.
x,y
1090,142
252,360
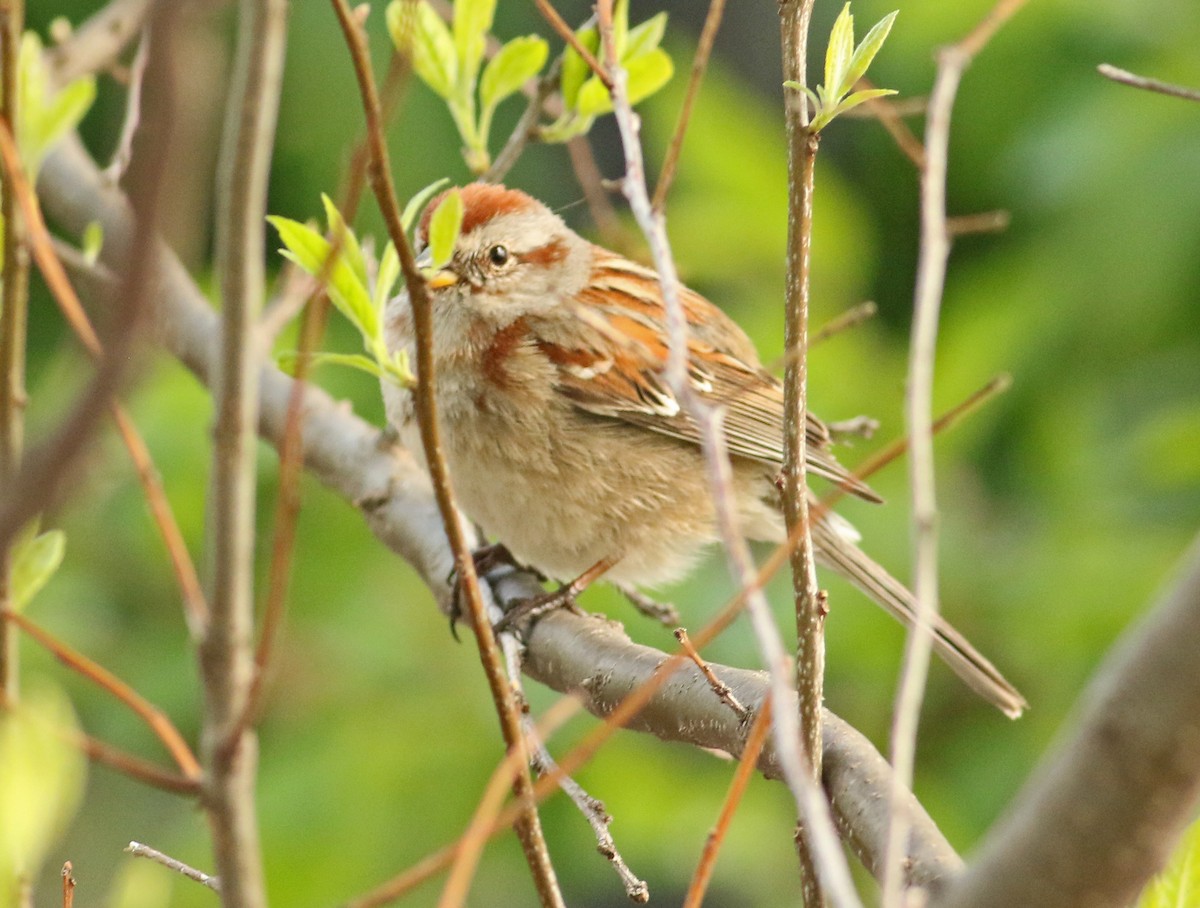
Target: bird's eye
x,y
499,255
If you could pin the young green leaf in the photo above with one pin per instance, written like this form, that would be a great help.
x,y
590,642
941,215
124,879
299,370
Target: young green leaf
x,y
515,63
575,70
647,36
839,52
310,250
417,202
472,22
42,781
46,115
92,241
35,561
289,359
620,28
385,277
346,238
444,225
867,49
420,32
648,73
865,95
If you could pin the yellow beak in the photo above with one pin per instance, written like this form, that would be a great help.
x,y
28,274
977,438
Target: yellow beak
x,y
444,278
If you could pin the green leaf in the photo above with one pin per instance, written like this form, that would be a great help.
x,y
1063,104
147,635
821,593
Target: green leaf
x,y
516,62
865,95
417,202
648,73
865,53
444,225
35,561
840,50
289,359
1178,886
620,29
310,250
418,31
346,238
472,22
42,780
647,36
63,113
575,70
92,241
593,98
385,277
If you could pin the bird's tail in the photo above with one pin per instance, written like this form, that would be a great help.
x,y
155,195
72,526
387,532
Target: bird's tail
x,y
839,553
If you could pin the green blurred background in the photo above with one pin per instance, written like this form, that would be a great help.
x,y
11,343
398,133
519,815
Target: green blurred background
x,y
1065,503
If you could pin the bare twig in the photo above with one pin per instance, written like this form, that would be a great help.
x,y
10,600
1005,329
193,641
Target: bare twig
x,y
564,31
810,607
591,181
983,222
931,276
1146,83
805,789
229,747
708,34
68,885
851,318
524,131
156,720
528,825
719,687
14,299
890,114
733,799
138,850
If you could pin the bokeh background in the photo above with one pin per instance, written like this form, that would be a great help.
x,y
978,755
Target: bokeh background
x,y
1065,503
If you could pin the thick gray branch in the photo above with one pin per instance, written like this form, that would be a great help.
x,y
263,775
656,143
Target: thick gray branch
x,y
1102,814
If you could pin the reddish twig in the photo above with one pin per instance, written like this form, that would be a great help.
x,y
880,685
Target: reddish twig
x,y
528,824
68,301
708,34
564,31
155,719
747,764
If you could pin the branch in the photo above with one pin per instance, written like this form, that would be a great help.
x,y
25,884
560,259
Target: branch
x,y
1102,813
229,747
565,651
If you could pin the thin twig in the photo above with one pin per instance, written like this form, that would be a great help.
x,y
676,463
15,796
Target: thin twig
x,y
810,803
983,222
68,885
719,687
591,181
810,609
747,764
528,825
156,720
97,751
1125,77
525,130
931,276
226,660
564,31
138,850
851,318
14,300
708,34
890,115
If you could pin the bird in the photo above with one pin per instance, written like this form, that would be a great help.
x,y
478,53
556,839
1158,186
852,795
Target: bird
x,y
564,440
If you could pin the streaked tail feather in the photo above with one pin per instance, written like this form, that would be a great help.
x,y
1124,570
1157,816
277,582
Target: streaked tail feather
x,y
953,648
